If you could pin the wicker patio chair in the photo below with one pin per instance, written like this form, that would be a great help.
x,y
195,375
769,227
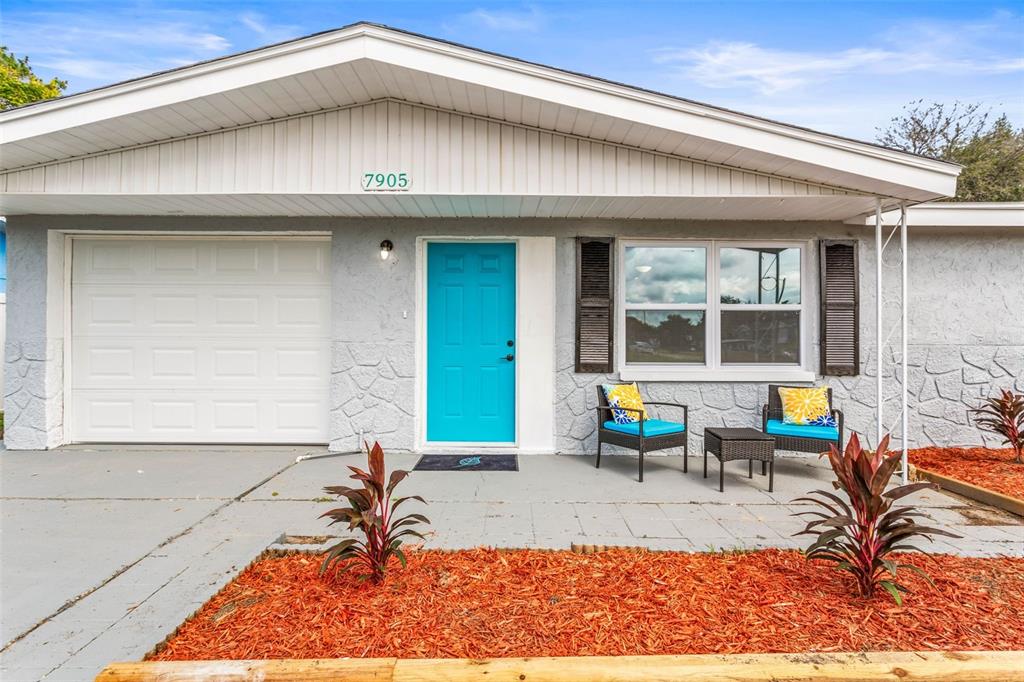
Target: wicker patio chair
x,y
773,410
641,441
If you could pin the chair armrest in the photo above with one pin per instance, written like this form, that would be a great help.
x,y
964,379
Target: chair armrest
x,y
684,408
609,408
838,415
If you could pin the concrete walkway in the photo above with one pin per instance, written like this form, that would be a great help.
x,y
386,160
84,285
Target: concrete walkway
x,y
106,549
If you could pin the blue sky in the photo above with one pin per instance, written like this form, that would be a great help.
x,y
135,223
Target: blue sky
x,y
840,67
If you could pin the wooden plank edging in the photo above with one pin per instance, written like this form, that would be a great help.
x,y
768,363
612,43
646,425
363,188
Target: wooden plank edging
x,y
971,491
934,666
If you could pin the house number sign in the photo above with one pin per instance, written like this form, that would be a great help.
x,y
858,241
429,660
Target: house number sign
x,y
385,182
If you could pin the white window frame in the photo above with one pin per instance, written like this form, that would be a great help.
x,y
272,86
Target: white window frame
x,y
713,369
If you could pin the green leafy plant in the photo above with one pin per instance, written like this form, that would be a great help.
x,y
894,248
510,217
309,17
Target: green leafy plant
x,y
1004,415
20,85
371,510
861,535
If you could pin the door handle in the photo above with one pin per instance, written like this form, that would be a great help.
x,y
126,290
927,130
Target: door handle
x,y
510,357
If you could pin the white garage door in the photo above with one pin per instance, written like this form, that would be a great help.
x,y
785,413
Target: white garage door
x,y
200,340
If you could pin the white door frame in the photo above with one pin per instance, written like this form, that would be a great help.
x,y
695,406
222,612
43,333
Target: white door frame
x,y
535,365
59,308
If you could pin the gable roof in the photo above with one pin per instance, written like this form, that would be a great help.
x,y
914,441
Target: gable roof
x,y
367,62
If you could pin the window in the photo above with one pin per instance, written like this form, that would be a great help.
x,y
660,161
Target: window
x,y
666,300
710,309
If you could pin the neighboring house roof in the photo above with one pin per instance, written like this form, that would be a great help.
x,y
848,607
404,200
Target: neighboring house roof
x,y
956,214
166,143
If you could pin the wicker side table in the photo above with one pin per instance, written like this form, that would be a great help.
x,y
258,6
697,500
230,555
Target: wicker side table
x,y
732,444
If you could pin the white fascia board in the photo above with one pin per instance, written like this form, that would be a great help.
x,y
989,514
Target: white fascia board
x,y
881,168
954,214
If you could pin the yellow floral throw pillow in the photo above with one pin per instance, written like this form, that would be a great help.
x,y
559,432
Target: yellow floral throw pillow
x,y
624,395
806,406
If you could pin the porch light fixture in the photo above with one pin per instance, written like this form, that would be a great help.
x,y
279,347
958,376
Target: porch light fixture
x,y
385,249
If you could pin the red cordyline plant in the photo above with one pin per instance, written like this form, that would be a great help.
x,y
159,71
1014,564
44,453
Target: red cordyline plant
x,y
372,510
1004,415
861,536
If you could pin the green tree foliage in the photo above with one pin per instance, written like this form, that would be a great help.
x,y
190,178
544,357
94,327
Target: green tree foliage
x,y
19,85
992,154
993,165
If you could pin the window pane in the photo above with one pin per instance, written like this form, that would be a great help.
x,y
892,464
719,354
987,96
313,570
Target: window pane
x,y
665,336
761,337
666,274
759,275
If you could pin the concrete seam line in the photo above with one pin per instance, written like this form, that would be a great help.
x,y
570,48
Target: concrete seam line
x,y
122,617
74,600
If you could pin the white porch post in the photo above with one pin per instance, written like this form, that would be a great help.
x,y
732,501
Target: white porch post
x,y
882,340
878,320
904,306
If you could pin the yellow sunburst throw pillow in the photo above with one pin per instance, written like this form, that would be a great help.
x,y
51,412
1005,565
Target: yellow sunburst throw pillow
x,y
806,406
624,395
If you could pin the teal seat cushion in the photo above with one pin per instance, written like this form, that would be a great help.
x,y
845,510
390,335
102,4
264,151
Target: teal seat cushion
x,y
779,428
652,427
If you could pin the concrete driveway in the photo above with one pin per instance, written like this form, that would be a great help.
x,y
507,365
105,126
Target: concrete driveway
x,y
105,550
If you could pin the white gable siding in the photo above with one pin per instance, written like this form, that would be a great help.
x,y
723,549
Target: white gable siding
x,y
444,153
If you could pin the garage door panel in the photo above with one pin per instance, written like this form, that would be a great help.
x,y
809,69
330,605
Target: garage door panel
x,y
210,311
200,340
159,260
223,362
232,417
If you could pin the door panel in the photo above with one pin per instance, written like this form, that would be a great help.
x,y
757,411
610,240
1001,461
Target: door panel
x,y
471,317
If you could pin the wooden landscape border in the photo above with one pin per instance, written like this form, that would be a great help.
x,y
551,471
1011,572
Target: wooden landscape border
x,y
970,491
934,666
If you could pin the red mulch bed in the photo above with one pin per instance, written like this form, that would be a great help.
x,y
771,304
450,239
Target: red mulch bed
x,y
490,603
984,467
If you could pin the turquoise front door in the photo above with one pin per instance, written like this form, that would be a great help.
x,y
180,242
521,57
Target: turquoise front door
x,y
471,325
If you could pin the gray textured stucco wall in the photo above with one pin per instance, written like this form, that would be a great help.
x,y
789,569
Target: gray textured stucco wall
x,y
966,339
33,362
967,328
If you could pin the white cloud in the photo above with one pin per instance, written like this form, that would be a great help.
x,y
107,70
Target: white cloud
x,y
267,31
920,47
254,22
729,65
91,48
507,20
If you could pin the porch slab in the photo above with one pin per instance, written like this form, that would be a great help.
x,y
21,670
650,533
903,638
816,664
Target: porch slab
x,y
101,562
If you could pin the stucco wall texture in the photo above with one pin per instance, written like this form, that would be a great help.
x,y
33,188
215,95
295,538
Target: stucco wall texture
x,y
966,325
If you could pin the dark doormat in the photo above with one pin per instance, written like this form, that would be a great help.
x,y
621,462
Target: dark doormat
x,y
467,463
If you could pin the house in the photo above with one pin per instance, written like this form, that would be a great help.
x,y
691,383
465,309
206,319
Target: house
x,y
370,233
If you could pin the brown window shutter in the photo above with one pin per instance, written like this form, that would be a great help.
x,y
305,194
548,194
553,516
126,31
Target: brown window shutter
x,y
594,305
840,317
